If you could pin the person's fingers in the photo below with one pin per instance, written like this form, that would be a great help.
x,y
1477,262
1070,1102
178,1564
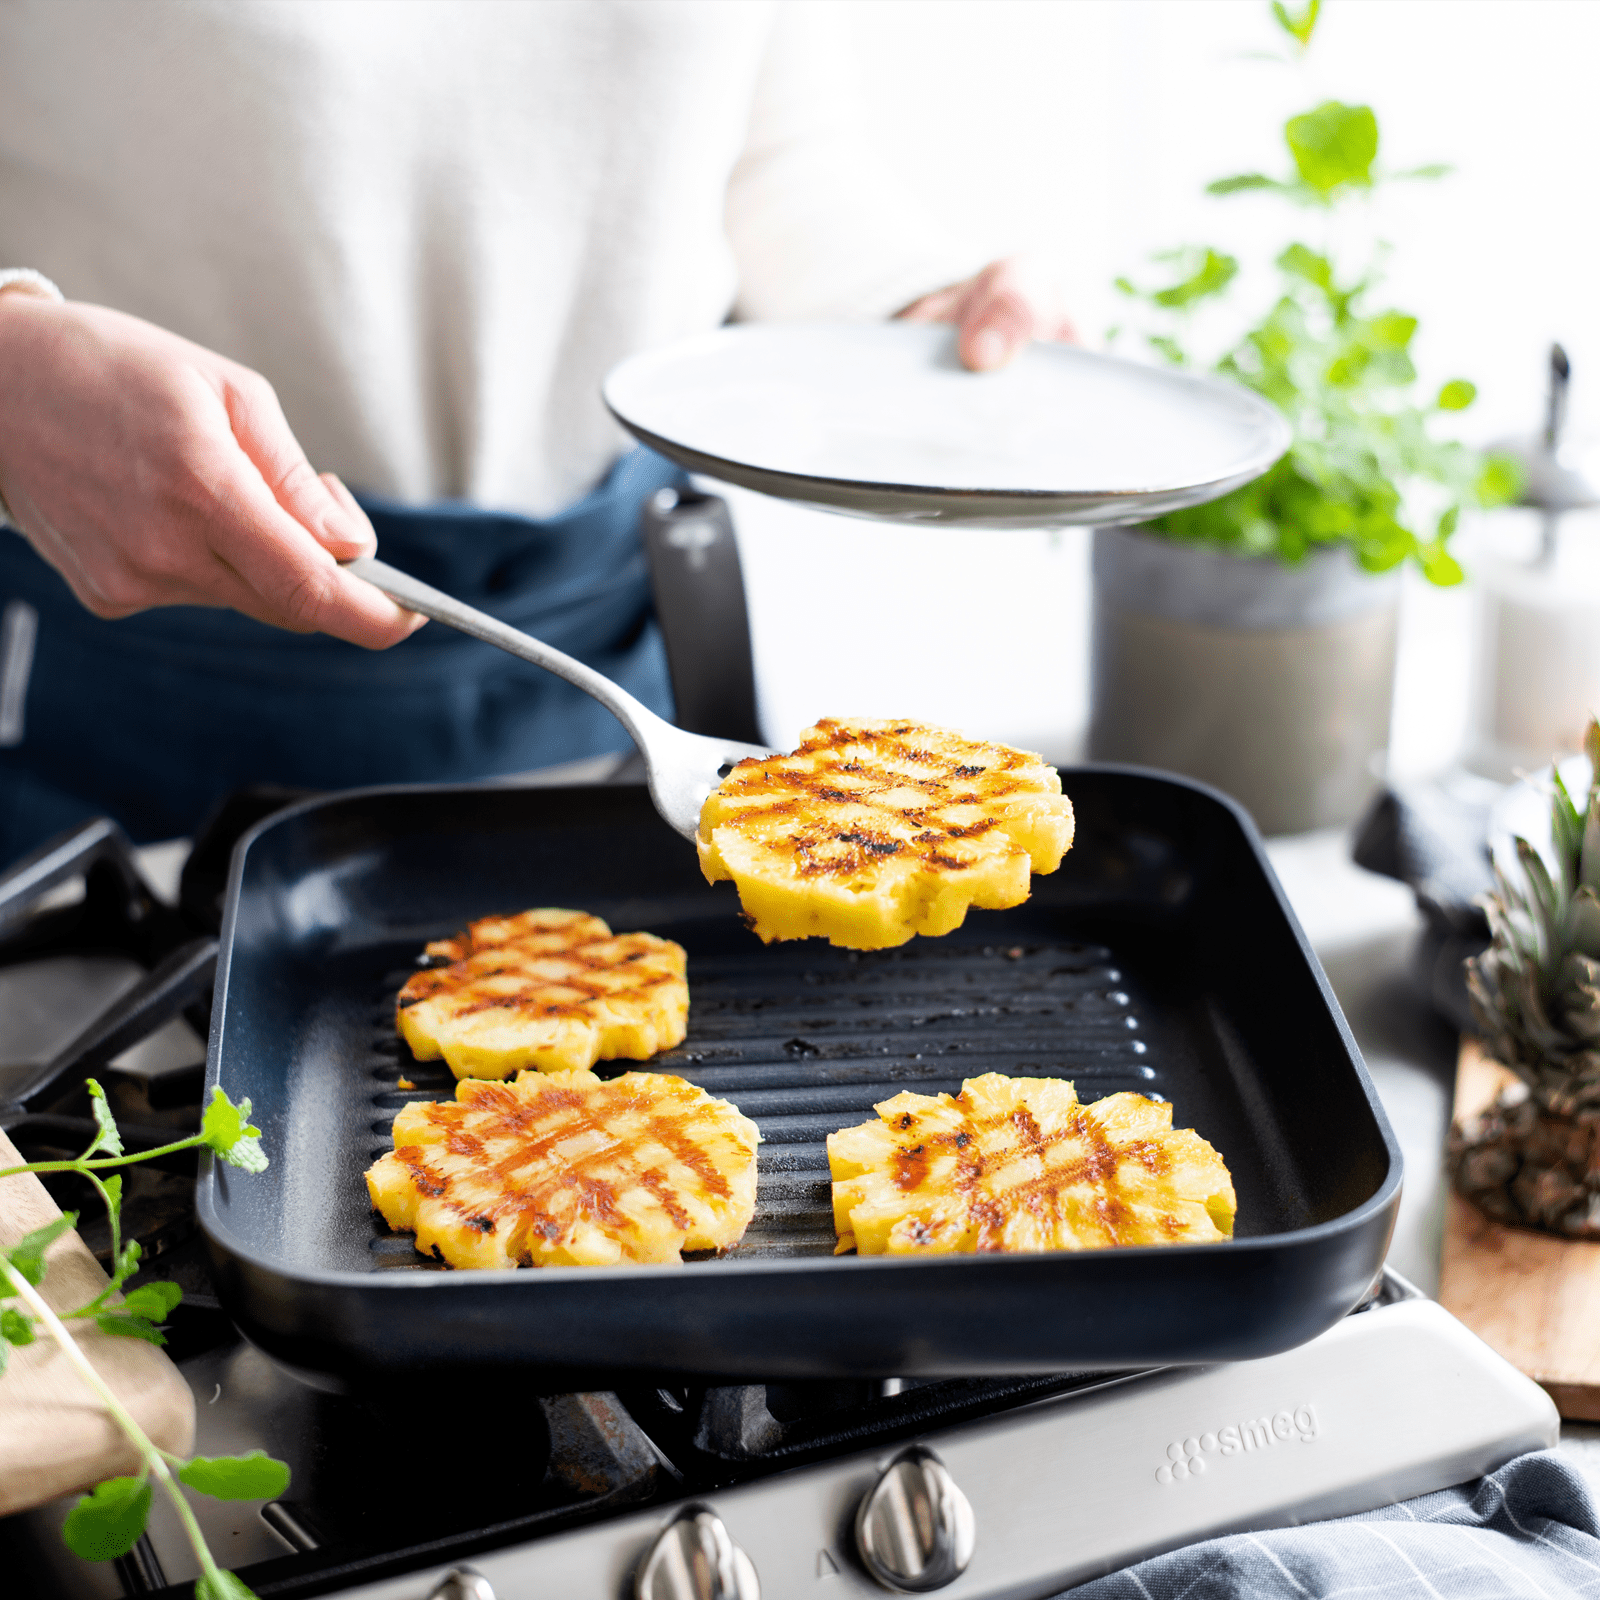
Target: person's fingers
x,y
264,435
997,321
352,509
314,594
348,500
1060,330
943,305
996,312
292,581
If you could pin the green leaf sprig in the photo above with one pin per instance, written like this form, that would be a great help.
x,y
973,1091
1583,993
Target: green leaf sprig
x,y
108,1521
1336,367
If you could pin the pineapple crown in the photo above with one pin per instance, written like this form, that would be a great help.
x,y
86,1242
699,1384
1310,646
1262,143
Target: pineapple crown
x,y
1536,989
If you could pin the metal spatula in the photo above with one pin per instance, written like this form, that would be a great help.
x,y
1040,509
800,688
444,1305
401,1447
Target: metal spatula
x,y
684,767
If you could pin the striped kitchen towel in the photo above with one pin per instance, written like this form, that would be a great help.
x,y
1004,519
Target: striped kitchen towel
x,y
1529,1530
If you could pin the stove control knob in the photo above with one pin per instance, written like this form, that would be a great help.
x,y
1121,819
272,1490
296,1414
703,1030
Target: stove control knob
x,y
915,1530
694,1559
462,1583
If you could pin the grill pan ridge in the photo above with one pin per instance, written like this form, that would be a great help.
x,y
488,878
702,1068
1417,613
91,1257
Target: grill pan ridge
x,y
1161,958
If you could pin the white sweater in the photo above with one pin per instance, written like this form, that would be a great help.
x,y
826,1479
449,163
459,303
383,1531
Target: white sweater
x,y
434,226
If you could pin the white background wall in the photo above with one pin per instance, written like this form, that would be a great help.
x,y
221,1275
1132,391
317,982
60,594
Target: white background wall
x,y
1088,129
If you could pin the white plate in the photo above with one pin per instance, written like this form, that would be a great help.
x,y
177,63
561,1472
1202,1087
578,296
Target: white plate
x,y
881,420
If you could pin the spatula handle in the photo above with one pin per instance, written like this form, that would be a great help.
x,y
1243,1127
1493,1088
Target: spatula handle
x,y
420,597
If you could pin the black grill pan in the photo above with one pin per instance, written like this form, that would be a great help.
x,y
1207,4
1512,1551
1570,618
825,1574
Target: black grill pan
x,y
1162,957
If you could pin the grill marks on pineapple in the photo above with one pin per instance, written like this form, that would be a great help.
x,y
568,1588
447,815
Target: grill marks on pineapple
x,y
1021,1164
816,846
550,989
568,1170
544,997
876,830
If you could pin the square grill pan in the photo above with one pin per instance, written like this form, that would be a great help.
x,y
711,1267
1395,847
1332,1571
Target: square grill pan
x,y
1161,957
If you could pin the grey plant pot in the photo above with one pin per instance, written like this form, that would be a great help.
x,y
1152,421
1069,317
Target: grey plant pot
x,y
1271,682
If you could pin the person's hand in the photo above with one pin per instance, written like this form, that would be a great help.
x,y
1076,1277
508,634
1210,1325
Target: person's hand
x,y
997,312
151,472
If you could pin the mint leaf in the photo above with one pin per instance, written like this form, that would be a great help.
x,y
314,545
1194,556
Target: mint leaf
x,y
1457,395
1439,566
1391,330
255,1476
1500,481
126,1327
27,1254
153,1301
1334,144
106,1522
1301,27
107,1138
127,1263
225,1586
226,1129
16,1327
1242,182
1210,273
1305,263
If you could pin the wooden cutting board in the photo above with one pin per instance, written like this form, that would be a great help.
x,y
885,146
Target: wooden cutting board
x,y
54,1435
1533,1298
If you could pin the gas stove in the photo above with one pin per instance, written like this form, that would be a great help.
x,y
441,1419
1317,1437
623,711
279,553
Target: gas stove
x,y
1017,1486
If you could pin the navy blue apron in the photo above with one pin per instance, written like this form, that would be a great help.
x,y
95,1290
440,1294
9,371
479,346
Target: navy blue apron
x,y
153,718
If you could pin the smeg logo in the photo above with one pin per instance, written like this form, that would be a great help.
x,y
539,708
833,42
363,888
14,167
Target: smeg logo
x,y
1186,1457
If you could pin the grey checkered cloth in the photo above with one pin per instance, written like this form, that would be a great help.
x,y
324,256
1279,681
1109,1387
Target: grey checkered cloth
x,y
1529,1530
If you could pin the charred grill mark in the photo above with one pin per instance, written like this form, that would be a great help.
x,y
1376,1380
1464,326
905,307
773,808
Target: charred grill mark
x,y
1151,1155
423,1178
911,1167
494,1142
877,822
558,971
1028,1130
530,1000
988,1218
987,1146
666,1197
971,830
669,1131
871,843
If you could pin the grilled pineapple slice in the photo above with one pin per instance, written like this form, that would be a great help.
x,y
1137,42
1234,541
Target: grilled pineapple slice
x,y
551,989
873,831
1022,1164
560,1169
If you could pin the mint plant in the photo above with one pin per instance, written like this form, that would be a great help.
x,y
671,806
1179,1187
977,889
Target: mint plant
x,y
108,1521
1364,462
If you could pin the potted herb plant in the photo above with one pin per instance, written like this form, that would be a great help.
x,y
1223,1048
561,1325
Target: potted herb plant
x,y
1251,642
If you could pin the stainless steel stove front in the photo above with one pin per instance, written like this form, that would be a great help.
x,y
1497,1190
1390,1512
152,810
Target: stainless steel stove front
x,y
1394,1402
